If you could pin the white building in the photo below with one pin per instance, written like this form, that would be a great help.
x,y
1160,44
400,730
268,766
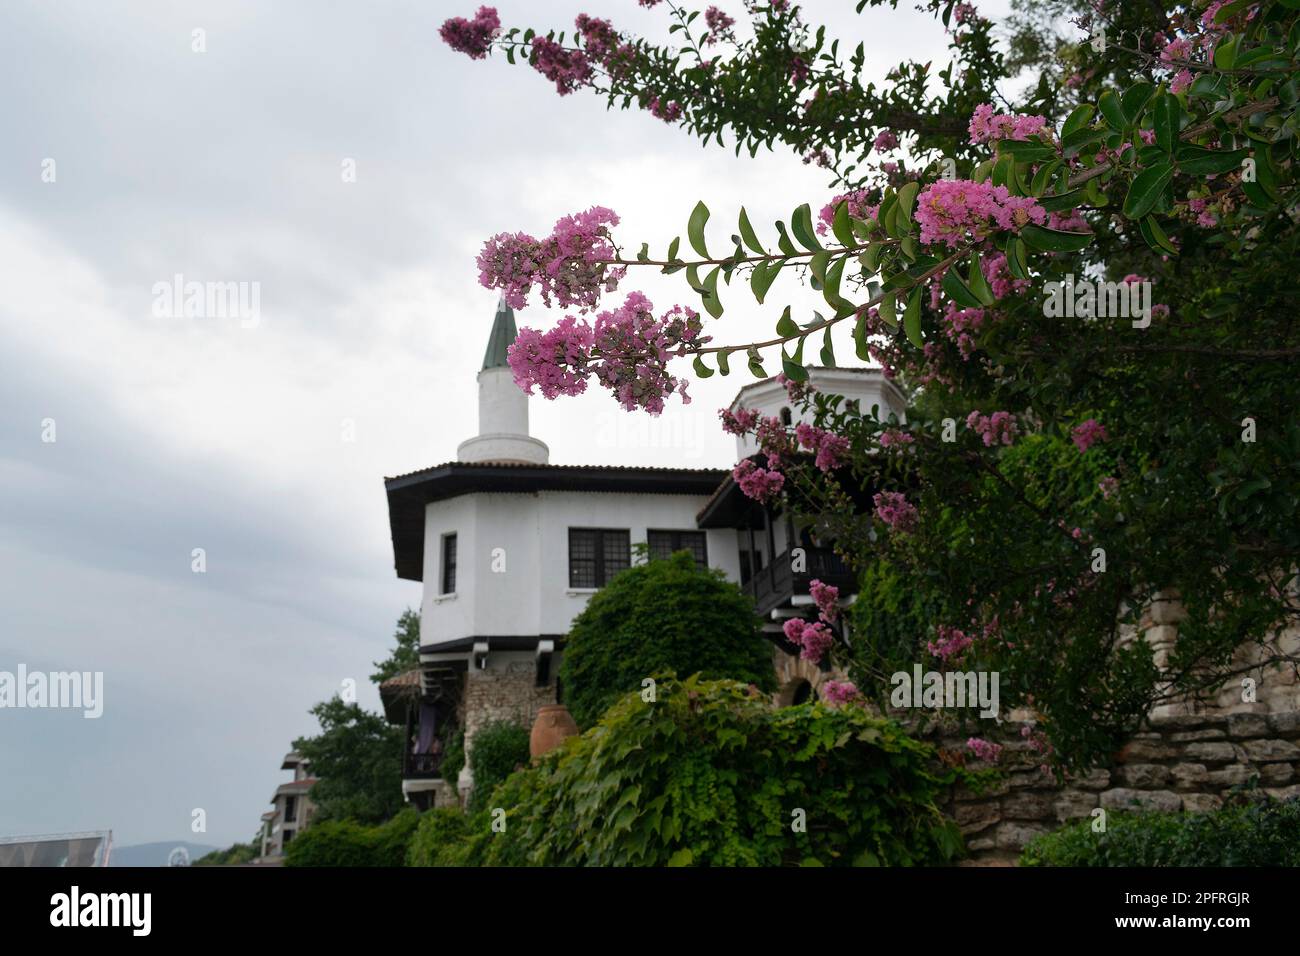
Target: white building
x,y
510,547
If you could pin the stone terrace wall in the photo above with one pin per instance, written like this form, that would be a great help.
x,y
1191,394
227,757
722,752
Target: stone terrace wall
x,y
1184,762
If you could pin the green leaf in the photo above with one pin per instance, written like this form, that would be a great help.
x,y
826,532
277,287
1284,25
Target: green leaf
x,y
783,240
831,284
747,233
1199,161
724,362
1135,98
959,291
702,370
786,326
712,304
842,225
1155,236
1146,189
906,200
1025,151
888,310
978,284
860,337
644,252
1016,262
673,247
912,318
756,364
792,365
695,229
1062,201
764,275
1225,53
683,857
1077,120
1111,110
1073,144
1168,112
828,349
817,266
1054,240
802,225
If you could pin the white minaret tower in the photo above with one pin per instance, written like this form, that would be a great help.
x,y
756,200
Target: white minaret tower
x,y
502,406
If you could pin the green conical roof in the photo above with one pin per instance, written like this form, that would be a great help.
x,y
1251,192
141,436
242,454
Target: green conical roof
x,y
503,334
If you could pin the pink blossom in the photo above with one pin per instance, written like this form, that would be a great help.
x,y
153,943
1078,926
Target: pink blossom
x,y
799,70
1000,428
555,361
1087,434
895,510
987,126
835,692
825,596
774,441
1148,136
1108,485
831,449
797,391
472,37
983,749
859,208
719,25
964,12
1181,81
813,639
567,69
740,422
892,437
951,642
958,211
758,484
885,140
998,275
572,265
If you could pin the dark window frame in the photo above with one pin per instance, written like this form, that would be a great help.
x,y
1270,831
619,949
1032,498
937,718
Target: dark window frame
x,y
447,557
675,543
603,565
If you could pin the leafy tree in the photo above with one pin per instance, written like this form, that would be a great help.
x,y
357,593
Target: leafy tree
x,y
1063,464
347,843
665,616
357,758
406,655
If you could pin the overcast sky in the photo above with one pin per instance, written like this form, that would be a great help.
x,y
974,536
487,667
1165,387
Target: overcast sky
x,y
180,433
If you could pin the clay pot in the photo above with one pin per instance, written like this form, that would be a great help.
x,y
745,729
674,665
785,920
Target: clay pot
x,y
553,725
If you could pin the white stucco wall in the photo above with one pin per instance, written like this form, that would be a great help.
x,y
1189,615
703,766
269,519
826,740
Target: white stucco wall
x,y
532,595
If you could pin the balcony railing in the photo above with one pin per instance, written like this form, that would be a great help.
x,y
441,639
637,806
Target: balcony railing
x,y
421,766
777,583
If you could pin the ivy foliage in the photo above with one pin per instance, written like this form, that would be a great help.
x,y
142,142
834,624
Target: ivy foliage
x,y
346,843
666,615
710,775
495,750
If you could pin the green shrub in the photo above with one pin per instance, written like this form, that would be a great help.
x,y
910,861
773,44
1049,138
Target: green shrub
x,y
665,616
453,756
440,839
710,774
346,843
1258,834
495,750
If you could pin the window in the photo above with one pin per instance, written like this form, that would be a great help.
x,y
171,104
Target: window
x,y
664,543
751,562
288,835
596,555
786,417
290,809
448,564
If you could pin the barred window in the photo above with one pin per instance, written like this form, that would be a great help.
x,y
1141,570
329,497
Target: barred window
x,y
664,543
448,564
596,555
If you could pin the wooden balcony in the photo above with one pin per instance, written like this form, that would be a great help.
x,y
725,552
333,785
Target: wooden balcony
x,y
775,585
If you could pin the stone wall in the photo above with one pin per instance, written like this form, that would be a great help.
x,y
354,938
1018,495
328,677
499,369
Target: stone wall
x,y
505,690
1187,762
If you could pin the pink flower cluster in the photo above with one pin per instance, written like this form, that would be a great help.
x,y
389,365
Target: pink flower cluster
x,y
896,511
831,449
1108,486
1088,434
1000,428
669,112
628,352
892,437
885,140
987,126
951,642
984,749
998,275
740,422
567,69
813,638
956,211
774,440
859,208
836,692
472,37
958,326
719,25
964,12
797,391
571,265
758,484
825,596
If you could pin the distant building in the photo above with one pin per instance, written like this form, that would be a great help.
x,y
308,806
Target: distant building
x,y
511,547
58,849
293,807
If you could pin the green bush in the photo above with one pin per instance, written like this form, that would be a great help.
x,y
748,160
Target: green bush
x,y
665,616
710,774
495,750
440,839
1258,834
346,843
453,756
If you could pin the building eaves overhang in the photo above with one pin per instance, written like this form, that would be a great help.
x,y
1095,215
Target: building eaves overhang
x,y
408,494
